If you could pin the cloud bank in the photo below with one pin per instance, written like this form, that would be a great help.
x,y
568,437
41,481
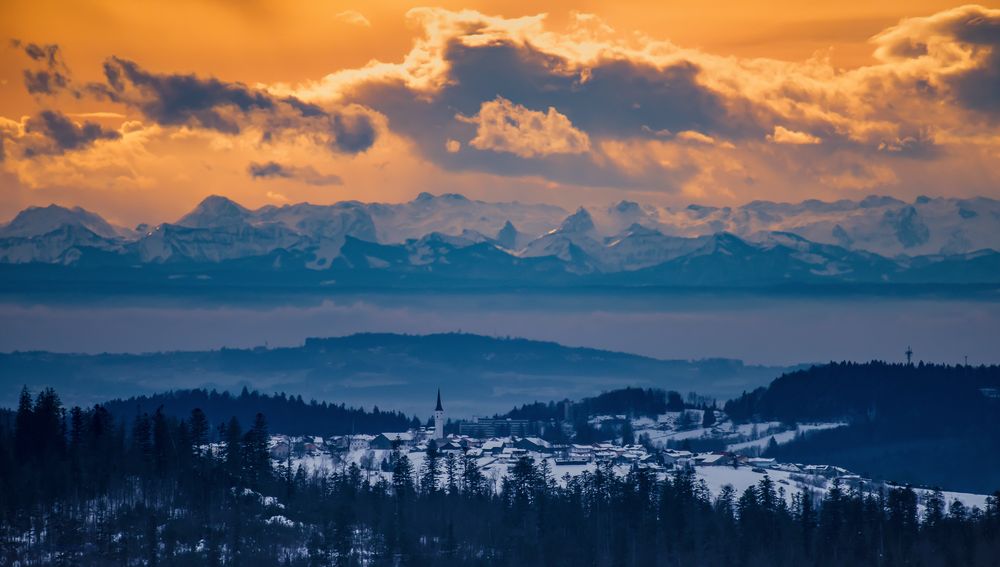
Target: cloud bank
x,y
486,101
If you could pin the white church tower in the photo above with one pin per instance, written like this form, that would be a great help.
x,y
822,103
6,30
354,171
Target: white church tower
x,y
439,418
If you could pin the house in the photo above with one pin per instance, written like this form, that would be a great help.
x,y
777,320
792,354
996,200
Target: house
x,y
486,428
581,452
713,460
387,441
674,457
280,450
359,442
533,444
761,462
493,446
338,442
828,471
446,446
512,454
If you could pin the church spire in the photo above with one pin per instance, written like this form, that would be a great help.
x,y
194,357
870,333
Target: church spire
x,y
439,408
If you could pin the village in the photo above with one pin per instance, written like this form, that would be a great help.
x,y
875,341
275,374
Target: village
x,y
665,445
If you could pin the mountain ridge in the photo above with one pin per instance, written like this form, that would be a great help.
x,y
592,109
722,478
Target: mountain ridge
x,y
437,237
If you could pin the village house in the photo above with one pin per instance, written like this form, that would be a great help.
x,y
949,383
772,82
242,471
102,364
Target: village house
x,y
714,459
387,441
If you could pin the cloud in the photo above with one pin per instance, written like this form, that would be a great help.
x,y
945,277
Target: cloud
x,y
503,126
956,50
306,174
581,110
783,135
181,100
630,91
693,136
53,77
187,100
354,18
53,133
97,114
190,101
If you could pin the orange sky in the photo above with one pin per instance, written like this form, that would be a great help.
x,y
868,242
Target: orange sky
x,y
154,171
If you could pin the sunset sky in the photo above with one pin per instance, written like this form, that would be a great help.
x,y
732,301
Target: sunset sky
x,y
138,110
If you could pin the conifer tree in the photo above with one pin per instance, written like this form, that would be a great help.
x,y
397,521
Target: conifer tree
x,y
199,429
431,470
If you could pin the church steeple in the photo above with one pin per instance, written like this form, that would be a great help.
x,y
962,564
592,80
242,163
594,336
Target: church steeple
x,y
439,418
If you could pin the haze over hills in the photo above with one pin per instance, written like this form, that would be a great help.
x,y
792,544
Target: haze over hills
x,y
451,240
479,374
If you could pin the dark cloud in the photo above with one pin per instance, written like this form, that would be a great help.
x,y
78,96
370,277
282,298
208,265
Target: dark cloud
x,y
44,82
181,100
50,80
974,30
48,54
614,99
59,134
352,133
275,170
209,103
268,169
979,88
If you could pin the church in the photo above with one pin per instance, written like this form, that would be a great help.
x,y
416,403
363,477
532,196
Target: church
x,y
439,418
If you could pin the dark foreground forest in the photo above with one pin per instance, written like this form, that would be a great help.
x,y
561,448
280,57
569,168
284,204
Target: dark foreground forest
x,y
83,487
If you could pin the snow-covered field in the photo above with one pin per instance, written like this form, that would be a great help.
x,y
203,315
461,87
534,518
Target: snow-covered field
x,y
674,427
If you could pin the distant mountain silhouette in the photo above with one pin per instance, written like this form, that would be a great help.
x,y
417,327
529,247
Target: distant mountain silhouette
x,y
477,374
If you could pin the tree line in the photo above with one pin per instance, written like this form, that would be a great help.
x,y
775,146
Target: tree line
x,y
291,415
84,487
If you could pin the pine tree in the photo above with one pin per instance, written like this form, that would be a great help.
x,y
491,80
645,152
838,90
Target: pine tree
x,y
142,441
232,435
934,509
628,433
402,475
772,446
473,481
255,457
807,518
163,446
431,469
25,443
48,425
451,472
708,418
199,429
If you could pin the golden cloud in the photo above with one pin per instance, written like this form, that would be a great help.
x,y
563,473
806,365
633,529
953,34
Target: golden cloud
x,y
503,126
513,102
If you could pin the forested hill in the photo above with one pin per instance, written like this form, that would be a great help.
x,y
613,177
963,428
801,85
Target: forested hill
x,y
648,402
923,423
477,375
874,389
290,415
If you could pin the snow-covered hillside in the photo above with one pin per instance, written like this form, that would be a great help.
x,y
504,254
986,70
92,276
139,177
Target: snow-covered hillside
x,y
790,479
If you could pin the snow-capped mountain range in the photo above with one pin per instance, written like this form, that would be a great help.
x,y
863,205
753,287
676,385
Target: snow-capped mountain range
x,y
876,239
